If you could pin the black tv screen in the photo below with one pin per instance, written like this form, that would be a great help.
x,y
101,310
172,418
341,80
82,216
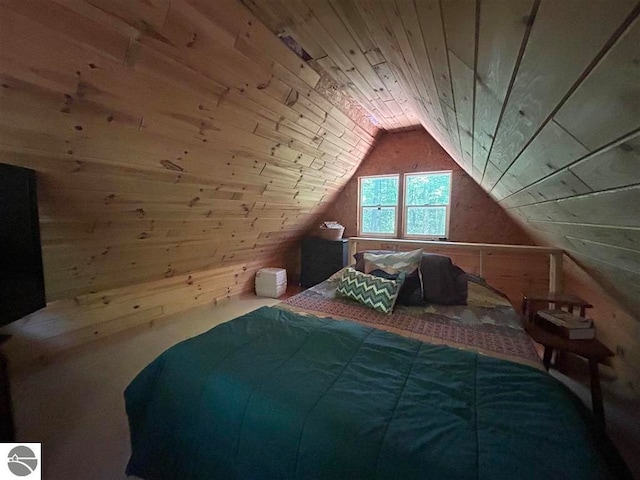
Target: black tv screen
x,y
21,274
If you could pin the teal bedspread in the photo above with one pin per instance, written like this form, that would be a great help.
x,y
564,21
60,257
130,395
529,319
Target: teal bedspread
x,y
276,395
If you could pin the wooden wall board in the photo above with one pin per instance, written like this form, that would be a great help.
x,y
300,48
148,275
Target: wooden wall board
x,y
408,34
543,79
82,30
430,17
329,19
560,184
615,167
459,18
550,151
501,29
344,50
621,284
463,96
66,324
616,328
621,258
474,216
356,26
608,94
600,208
166,142
623,237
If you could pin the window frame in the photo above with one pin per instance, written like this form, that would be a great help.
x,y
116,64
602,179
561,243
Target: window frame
x,y
405,207
396,207
401,214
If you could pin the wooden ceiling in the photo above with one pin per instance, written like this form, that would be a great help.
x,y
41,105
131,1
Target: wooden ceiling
x,y
538,100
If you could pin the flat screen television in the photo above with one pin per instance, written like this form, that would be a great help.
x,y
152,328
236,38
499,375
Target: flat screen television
x,y
21,275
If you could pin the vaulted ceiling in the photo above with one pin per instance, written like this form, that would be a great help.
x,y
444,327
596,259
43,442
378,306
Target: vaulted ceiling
x,y
538,100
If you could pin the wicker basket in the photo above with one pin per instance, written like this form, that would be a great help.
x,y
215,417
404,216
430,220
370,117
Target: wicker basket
x,y
330,233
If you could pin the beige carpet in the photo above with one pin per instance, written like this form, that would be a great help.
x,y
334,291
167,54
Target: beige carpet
x,y
75,406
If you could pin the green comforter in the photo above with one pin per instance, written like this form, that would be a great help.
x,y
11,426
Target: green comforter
x,y
274,395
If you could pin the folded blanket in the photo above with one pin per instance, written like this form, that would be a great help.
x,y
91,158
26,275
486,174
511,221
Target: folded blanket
x,y
443,282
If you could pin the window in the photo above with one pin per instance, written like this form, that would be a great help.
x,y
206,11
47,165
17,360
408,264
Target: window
x,y
426,204
378,212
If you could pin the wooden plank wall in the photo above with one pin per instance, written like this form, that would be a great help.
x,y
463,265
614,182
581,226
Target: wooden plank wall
x,y
616,328
538,100
335,34
69,323
474,215
169,137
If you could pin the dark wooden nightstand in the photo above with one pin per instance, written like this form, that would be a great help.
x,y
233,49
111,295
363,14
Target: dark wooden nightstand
x,y
322,258
593,350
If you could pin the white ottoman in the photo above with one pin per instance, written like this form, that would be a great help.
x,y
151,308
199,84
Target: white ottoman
x,y
271,282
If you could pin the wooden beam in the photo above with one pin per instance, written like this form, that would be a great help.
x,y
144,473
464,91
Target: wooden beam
x,y
556,283
458,246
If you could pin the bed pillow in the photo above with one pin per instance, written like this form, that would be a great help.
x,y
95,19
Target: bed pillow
x,y
411,291
443,282
393,263
375,292
359,257
390,264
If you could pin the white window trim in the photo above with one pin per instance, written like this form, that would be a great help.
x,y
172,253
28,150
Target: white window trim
x,y
395,207
405,207
401,213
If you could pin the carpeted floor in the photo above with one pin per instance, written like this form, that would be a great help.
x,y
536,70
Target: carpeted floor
x,y
75,405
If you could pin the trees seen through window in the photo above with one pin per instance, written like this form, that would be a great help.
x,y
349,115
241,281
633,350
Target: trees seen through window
x,y
426,203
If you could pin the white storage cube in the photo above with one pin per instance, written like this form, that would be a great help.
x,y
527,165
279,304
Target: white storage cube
x,y
271,282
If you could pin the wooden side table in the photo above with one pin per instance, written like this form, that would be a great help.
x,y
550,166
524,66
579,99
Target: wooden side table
x,y
532,302
322,258
593,350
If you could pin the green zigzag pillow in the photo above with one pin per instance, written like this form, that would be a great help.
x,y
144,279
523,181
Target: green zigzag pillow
x,y
375,292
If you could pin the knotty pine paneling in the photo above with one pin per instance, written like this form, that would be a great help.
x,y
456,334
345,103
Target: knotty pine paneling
x,y
64,324
172,140
474,215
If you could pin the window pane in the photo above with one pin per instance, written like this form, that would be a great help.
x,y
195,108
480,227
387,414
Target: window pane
x,y
379,191
431,189
427,221
379,220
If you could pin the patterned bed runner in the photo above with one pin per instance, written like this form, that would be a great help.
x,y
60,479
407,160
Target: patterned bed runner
x,y
507,343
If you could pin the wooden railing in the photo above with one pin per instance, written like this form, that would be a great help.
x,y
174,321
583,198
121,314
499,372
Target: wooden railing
x,y
511,268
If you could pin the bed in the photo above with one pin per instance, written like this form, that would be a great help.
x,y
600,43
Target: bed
x,y
316,387
487,324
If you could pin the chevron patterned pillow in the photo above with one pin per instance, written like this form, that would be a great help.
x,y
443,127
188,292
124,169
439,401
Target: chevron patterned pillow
x,y
375,292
